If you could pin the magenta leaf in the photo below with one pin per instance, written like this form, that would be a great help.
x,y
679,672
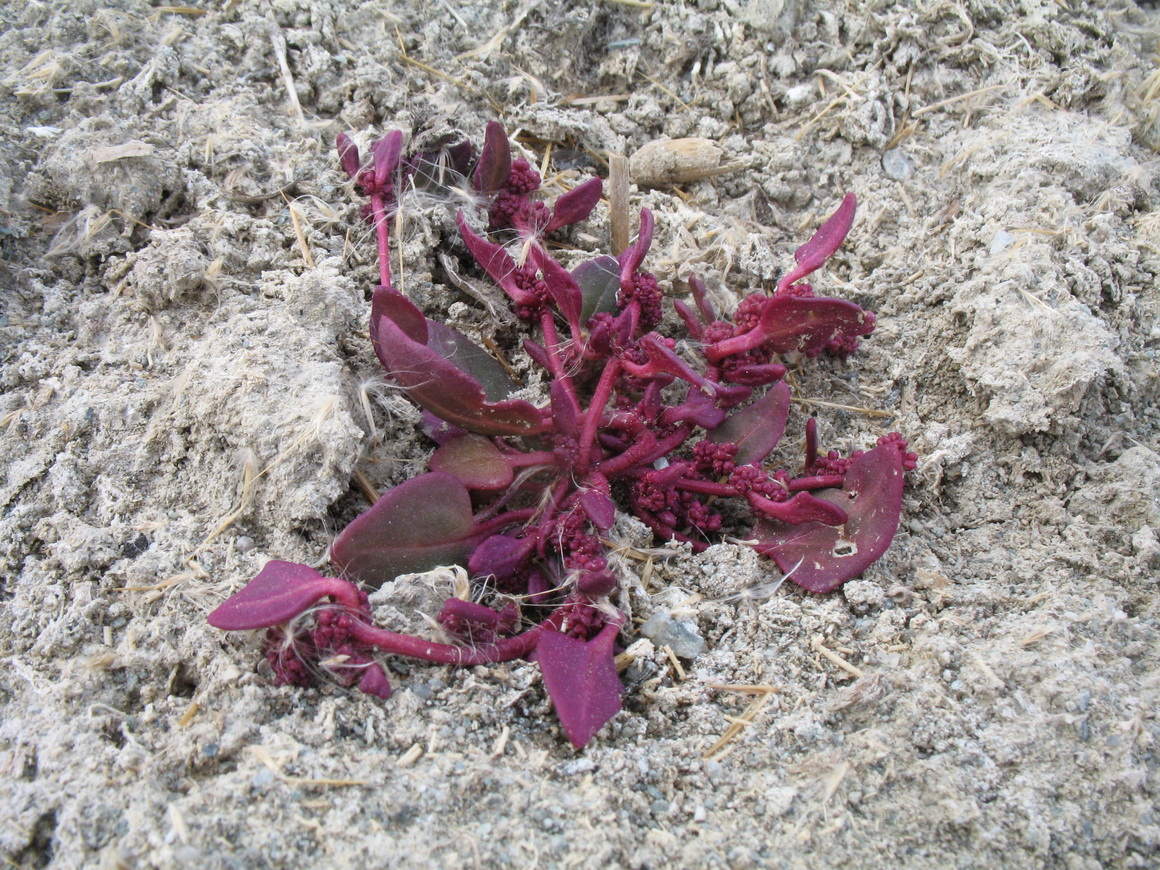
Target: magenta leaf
x,y
496,262
562,287
495,160
599,282
565,410
599,507
281,591
501,556
575,205
386,154
756,429
791,323
808,325
471,359
374,682
580,678
389,302
475,460
824,243
632,256
439,386
415,526
348,155
829,555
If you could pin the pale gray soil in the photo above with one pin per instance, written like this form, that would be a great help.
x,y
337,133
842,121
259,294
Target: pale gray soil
x,y
183,377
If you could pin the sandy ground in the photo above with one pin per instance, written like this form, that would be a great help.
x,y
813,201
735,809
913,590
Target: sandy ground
x,y
188,390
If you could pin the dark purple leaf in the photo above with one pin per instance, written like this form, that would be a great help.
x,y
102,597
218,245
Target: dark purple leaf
x,y
693,325
476,624
755,375
389,302
496,262
562,287
386,155
756,429
580,678
698,409
632,256
599,282
825,241
575,205
501,556
471,359
790,323
599,507
439,431
348,155
475,460
662,360
872,499
565,411
281,591
375,682
701,298
495,160
808,325
440,387
415,526
538,353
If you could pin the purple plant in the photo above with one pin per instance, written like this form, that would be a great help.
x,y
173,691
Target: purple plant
x,y
521,494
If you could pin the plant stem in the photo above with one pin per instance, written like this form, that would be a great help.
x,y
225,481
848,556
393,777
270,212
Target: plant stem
x,y
600,398
382,234
444,653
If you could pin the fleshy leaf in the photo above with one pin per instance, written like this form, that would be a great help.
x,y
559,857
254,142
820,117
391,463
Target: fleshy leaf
x,y
413,527
823,244
632,256
348,154
475,460
808,325
440,387
281,591
756,429
389,302
495,261
562,287
580,678
575,205
500,556
599,282
374,682
470,358
495,160
829,556
599,507
790,323
386,153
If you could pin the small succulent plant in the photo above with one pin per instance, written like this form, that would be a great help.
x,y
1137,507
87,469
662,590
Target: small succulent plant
x,y
522,494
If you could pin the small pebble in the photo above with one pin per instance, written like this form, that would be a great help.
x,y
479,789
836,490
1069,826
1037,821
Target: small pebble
x,y
244,544
897,165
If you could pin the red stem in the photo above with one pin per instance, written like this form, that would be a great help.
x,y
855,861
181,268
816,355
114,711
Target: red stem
x,y
811,444
600,398
444,653
382,233
821,481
